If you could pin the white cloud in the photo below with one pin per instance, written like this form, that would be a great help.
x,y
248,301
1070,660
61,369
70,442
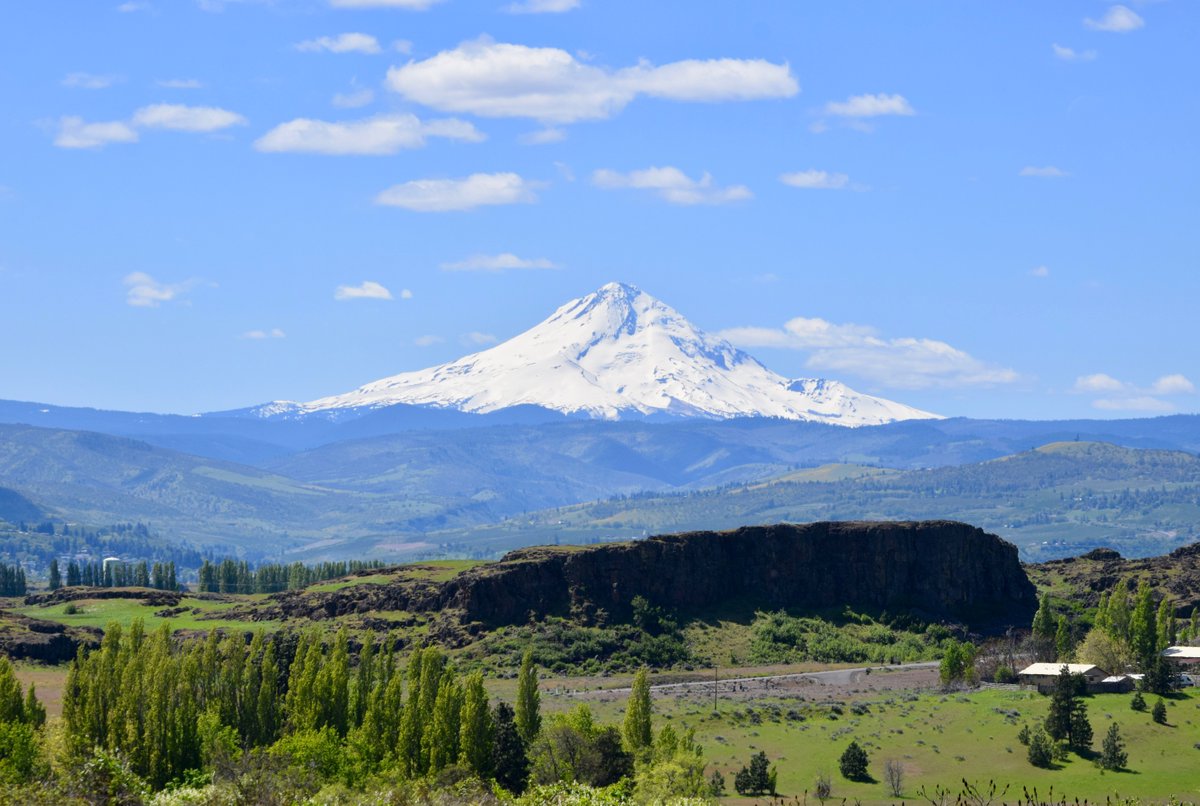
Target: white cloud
x,y
870,106
88,81
73,132
541,6
353,99
410,5
273,333
1173,385
386,134
132,6
143,291
1039,271
1099,382
366,290
673,185
492,79
180,84
477,339
907,363
1071,55
816,180
1043,172
1124,396
543,137
498,263
405,294
427,340
402,46
444,195
342,43
1117,20
182,118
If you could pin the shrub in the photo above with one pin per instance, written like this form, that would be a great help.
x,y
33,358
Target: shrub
x,y
853,762
1138,703
1159,714
1041,751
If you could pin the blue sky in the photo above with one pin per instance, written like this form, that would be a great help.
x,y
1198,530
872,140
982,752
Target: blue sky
x,y
979,209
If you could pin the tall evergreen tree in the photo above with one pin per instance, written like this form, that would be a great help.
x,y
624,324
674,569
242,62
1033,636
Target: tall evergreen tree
x,y
510,756
1143,628
476,732
55,576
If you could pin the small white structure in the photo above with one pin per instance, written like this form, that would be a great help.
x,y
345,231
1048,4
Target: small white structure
x,y
1044,675
1183,655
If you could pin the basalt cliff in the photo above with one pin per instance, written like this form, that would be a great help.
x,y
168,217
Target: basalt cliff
x,y
934,570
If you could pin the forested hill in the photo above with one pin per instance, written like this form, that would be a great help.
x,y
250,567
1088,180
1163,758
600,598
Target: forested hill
x,y
1058,500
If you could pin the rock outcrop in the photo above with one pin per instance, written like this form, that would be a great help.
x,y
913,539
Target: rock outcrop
x,y
934,570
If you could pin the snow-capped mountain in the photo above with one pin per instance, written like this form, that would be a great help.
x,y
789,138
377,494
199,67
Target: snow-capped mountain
x,y
613,353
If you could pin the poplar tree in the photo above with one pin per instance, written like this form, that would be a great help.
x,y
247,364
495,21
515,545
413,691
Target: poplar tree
x,y
55,576
476,731
1166,625
528,713
637,729
442,737
1143,628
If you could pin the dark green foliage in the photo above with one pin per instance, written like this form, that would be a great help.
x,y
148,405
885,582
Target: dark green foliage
x,y
528,710
1159,713
1138,702
234,576
637,728
1112,752
754,779
853,763
958,664
510,761
55,581
12,580
1067,719
1041,750
716,784
572,747
852,638
1023,735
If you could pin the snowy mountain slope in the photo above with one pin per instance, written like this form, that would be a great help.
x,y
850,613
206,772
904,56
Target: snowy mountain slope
x,y
613,353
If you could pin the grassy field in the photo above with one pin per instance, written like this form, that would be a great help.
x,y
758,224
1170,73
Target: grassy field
x,y
101,612
939,739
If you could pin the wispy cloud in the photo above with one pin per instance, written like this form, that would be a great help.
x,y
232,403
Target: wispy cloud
x,y
88,81
1039,271
365,290
353,99
1071,55
386,134
342,43
477,339
816,180
1123,396
1117,20
133,5
493,79
447,195
143,291
407,5
1043,172
543,137
182,118
74,132
497,263
427,340
180,84
672,185
541,6
870,106
273,333
904,363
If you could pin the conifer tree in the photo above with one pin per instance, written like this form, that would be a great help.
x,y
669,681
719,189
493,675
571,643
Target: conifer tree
x,y
55,576
510,759
1112,752
528,711
1143,628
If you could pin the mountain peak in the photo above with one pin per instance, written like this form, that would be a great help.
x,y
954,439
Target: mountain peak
x,y
617,352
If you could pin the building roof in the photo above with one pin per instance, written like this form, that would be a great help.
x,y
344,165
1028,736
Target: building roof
x,y
1052,669
1182,652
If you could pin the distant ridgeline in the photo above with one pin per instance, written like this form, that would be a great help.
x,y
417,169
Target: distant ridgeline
x,y
932,570
233,576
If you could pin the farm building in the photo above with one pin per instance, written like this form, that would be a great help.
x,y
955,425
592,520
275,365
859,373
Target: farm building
x,y
1182,655
1043,675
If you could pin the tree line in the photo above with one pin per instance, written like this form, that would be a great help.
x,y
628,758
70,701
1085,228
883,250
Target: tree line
x,y
237,576
12,580
114,575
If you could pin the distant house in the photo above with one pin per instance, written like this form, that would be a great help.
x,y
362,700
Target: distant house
x,y
1182,655
1118,683
1043,675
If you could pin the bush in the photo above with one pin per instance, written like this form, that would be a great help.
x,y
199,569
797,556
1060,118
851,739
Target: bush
x,y
1041,750
1138,703
1005,674
1159,714
853,763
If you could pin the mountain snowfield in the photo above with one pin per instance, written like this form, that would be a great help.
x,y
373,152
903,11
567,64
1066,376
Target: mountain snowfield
x,y
614,353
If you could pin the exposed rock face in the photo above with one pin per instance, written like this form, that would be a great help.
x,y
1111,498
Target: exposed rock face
x,y
24,638
936,569
933,569
1175,576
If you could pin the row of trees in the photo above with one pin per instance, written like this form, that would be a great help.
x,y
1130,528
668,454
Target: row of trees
x,y
236,576
168,708
115,575
12,580
1126,635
